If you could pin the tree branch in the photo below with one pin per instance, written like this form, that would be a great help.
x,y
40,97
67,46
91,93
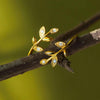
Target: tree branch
x,y
31,62
79,28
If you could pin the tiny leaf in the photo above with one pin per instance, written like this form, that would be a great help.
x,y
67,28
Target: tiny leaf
x,y
60,44
42,32
65,54
38,49
34,40
43,61
54,30
54,61
47,39
49,53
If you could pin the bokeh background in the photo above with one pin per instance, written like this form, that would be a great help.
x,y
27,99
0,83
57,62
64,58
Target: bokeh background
x,y
19,21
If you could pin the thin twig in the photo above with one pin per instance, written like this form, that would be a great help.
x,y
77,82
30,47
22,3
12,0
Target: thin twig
x,y
31,62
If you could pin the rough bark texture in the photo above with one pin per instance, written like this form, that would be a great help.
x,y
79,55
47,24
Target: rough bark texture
x,y
31,62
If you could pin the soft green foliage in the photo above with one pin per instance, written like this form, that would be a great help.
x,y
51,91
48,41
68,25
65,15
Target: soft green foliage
x,y
19,22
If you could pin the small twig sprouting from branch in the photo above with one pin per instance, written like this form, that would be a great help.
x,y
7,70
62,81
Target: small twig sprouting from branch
x,y
33,61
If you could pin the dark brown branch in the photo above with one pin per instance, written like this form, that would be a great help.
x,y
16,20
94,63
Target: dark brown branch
x,y
85,41
84,25
81,43
31,62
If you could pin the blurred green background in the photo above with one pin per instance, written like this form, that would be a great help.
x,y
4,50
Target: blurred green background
x,y
19,21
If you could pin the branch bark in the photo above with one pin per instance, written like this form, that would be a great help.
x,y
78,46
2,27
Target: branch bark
x,y
31,62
